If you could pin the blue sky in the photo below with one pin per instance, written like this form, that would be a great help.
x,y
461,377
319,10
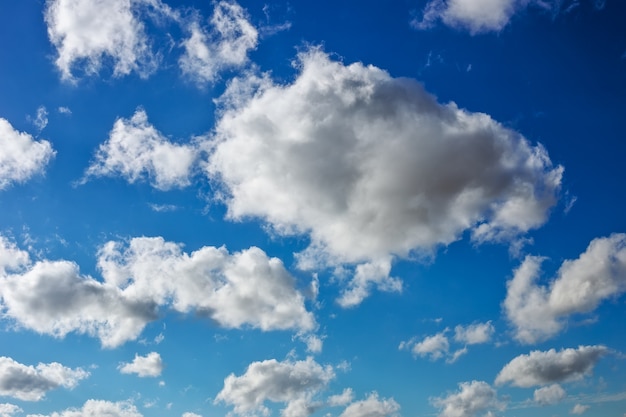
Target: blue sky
x,y
342,209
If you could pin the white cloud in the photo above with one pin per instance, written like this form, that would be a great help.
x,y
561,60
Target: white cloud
x,y
7,410
136,150
189,414
64,110
539,312
235,290
98,408
371,166
542,368
341,399
21,157
225,46
150,365
579,409
435,347
87,34
371,407
293,383
552,394
31,383
474,334
366,276
41,119
472,399
473,15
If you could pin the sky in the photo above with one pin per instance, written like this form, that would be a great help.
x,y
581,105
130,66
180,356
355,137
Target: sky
x,y
329,209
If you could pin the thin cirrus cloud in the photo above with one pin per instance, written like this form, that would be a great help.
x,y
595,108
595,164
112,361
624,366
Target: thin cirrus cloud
x,y
21,156
539,312
137,151
210,281
472,399
31,383
540,368
377,168
150,365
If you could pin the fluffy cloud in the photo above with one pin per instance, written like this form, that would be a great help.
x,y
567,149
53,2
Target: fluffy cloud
x,y
292,383
242,289
226,46
435,346
86,34
136,150
473,15
21,157
542,368
473,398
341,399
551,394
31,383
372,407
7,410
371,166
144,366
474,334
539,312
98,408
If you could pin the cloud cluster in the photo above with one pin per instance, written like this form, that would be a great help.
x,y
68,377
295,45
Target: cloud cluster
x,y
87,35
437,346
136,150
150,365
234,290
226,46
542,368
472,399
21,156
538,312
371,166
293,383
98,408
31,383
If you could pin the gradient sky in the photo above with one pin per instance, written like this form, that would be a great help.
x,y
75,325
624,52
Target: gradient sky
x,y
296,208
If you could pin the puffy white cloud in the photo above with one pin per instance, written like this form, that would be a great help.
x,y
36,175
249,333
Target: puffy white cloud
x,y
88,33
7,410
435,346
235,290
474,334
473,398
366,276
31,383
225,46
552,394
293,383
98,408
542,368
372,406
579,409
538,312
341,399
473,15
21,156
136,150
150,365
371,167
189,414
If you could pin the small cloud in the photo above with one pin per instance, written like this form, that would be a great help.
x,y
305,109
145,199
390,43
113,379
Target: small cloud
x,y
163,208
64,110
150,365
41,119
580,409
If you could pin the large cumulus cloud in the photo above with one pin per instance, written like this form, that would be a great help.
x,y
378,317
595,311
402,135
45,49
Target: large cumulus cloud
x,y
371,166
